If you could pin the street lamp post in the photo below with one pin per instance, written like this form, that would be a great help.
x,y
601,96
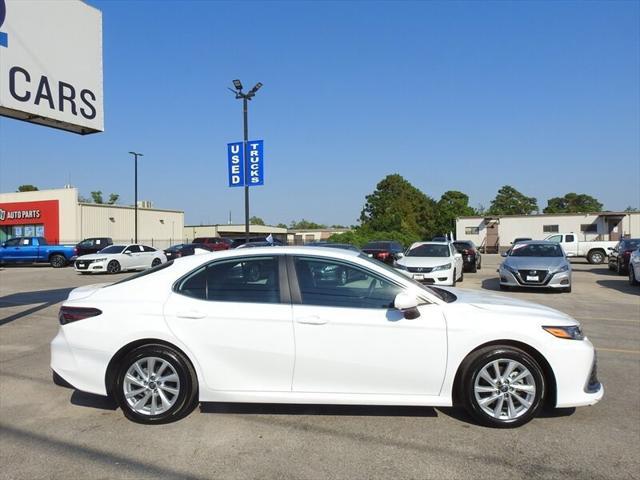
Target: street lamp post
x,y
135,193
237,85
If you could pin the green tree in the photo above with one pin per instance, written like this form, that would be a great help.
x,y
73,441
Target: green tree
x,y
573,203
306,225
97,196
452,204
281,225
398,206
359,236
631,209
510,201
113,198
27,188
256,221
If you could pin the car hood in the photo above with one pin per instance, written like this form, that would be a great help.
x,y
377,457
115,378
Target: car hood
x,y
93,256
85,291
424,261
507,305
535,263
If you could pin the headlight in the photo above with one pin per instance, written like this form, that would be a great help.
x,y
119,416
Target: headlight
x,y
441,267
99,259
509,269
399,266
563,268
573,332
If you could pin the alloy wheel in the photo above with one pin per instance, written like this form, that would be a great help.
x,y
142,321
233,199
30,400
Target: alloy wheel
x,y
505,389
151,386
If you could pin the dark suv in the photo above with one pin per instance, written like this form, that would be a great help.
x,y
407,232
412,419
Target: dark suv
x,y
471,258
383,250
619,256
215,243
93,245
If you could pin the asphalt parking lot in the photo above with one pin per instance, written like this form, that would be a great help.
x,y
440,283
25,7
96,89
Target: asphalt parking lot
x,y
53,432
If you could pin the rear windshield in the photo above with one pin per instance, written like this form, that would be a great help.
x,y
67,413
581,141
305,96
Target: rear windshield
x,y
631,244
429,250
536,250
463,245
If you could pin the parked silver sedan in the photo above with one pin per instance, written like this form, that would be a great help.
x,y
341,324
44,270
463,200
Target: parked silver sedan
x,y
535,264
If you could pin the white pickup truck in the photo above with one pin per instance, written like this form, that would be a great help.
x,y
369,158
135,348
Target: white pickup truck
x,y
596,252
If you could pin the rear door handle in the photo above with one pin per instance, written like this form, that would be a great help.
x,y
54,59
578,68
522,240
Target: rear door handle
x,y
191,314
312,320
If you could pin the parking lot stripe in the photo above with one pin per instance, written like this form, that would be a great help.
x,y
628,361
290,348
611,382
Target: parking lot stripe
x,y
617,350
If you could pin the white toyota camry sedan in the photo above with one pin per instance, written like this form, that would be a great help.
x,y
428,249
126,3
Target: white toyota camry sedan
x,y
119,258
230,326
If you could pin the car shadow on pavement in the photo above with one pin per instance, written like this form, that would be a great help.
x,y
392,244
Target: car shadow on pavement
x,y
620,285
41,299
494,284
84,399
316,409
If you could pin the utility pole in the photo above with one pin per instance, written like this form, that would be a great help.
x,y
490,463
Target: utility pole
x,y
135,193
237,84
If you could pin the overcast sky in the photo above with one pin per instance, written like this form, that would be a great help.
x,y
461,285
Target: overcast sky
x,y
544,96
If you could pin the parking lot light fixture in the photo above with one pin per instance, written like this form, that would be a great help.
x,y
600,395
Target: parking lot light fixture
x,y
245,100
135,193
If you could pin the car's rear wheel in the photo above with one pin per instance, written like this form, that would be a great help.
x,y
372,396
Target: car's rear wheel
x,y
155,384
502,386
632,276
113,266
156,262
596,257
57,261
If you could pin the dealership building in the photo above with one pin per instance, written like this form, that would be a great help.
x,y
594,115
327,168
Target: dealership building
x,y
59,217
494,233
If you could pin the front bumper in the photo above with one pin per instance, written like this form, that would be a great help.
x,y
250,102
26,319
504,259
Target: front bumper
x,y
553,280
441,277
86,266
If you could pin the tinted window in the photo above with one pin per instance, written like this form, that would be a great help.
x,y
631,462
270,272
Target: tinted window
x,y
336,284
25,242
13,242
429,250
253,280
113,249
568,238
148,249
536,250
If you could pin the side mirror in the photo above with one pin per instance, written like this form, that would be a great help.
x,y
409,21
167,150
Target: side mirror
x,y
611,249
127,253
503,254
399,255
407,304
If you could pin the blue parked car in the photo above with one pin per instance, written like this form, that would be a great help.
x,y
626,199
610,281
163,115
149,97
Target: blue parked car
x,y
35,250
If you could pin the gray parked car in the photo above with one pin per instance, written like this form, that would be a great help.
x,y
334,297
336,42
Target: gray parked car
x,y
535,264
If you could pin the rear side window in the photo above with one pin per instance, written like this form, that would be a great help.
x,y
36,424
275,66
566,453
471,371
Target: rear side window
x,y
148,249
247,280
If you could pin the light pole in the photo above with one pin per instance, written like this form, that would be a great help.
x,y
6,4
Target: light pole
x,y
237,85
135,193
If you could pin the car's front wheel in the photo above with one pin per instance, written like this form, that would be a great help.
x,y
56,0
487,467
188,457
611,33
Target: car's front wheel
x,y
155,384
113,266
502,386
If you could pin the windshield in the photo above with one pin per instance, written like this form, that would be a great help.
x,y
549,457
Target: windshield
x,y
113,249
536,250
438,292
429,250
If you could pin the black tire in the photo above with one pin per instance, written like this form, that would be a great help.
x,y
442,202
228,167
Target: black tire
x,y
185,400
455,276
567,290
480,264
596,257
113,266
611,267
461,276
473,366
474,268
504,288
57,261
620,269
632,276
155,262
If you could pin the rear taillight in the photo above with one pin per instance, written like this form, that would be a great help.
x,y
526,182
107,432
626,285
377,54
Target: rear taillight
x,y
627,253
383,255
465,252
73,314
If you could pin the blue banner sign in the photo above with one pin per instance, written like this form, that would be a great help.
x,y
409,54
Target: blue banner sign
x,y
256,164
235,157
236,164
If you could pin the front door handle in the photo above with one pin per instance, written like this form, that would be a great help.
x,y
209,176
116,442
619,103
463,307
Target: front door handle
x,y
312,320
191,314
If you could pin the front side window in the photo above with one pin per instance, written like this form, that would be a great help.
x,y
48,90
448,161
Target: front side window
x,y
113,249
248,279
12,242
555,238
335,284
